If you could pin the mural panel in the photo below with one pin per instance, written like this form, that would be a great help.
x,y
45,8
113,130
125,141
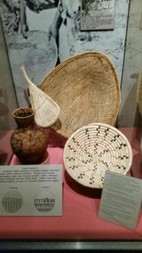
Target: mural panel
x,y
42,33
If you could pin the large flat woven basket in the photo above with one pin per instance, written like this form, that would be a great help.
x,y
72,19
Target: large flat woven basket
x,y
86,88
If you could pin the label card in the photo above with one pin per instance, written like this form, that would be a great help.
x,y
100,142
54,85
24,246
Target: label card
x,y
121,199
97,15
31,190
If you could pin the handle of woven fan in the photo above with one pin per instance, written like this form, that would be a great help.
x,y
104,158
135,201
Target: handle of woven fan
x,y
22,68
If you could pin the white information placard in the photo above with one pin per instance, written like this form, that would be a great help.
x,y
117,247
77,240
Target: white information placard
x,y
97,15
121,199
31,190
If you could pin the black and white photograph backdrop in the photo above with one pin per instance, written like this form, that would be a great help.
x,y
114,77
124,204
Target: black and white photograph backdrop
x,y
40,34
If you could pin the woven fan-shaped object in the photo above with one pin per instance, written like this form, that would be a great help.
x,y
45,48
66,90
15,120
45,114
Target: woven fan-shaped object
x,y
46,110
92,150
86,88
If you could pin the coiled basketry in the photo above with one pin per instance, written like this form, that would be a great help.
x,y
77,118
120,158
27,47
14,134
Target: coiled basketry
x,y
87,90
92,150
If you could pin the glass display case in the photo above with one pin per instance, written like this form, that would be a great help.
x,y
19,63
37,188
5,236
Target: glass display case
x,y
28,43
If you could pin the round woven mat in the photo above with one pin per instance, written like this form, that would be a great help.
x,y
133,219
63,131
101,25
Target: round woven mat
x,y
86,88
92,150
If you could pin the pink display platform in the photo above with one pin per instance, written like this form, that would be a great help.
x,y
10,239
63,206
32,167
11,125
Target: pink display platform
x,y
80,207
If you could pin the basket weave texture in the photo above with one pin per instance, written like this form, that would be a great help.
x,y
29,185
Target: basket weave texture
x,y
92,150
87,90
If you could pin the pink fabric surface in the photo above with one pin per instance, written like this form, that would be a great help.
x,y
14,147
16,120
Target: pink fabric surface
x,y
80,215
5,148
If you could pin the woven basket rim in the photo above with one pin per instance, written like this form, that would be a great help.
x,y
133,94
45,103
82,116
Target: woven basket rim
x,y
56,75
92,126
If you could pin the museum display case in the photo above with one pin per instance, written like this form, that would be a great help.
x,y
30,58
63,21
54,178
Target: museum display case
x,y
97,84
